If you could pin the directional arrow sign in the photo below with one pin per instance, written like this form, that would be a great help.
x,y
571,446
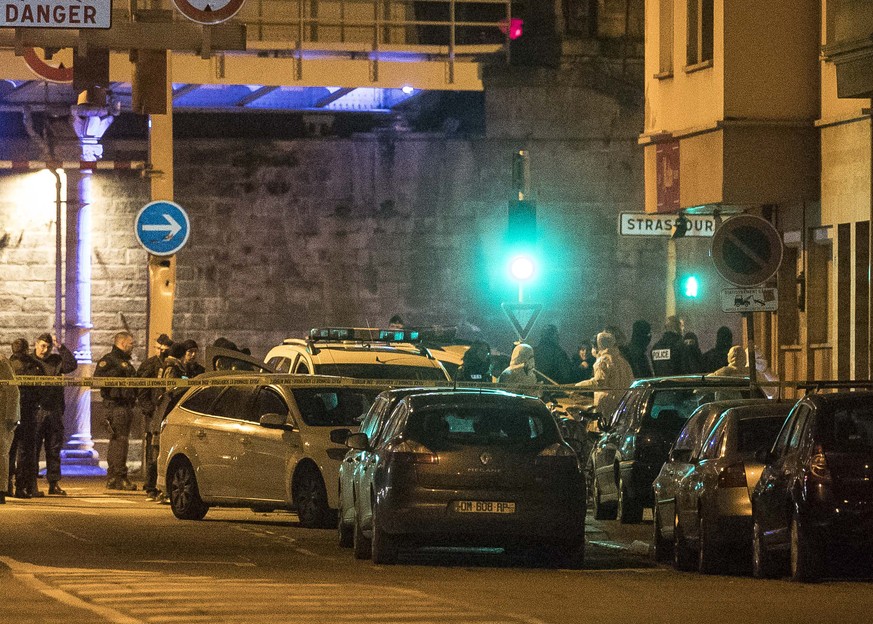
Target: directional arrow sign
x,y
523,316
162,228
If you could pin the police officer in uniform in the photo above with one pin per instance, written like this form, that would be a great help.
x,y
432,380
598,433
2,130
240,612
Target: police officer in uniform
x,y
50,421
119,403
148,401
668,353
10,413
476,363
23,462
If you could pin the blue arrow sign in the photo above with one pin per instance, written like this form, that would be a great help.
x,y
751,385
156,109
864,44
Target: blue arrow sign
x,y
162,228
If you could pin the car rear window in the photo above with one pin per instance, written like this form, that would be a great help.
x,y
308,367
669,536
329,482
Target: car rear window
x,y
333,407
381,371
758,433
848,430
672,407
443,427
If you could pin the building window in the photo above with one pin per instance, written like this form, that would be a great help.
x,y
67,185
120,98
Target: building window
x,y
665,27
700,31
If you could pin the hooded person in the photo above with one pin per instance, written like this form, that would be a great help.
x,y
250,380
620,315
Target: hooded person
x,y
736,366
476,363
641,336
552,360
612,375
693,358
716,357
521,367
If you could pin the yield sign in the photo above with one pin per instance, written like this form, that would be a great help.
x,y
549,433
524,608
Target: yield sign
x,y
522,316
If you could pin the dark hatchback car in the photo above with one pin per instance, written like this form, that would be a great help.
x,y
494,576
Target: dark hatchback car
x,y
815,494
462,468
636,439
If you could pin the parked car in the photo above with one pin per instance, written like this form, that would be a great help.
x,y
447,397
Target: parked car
x,y
363,353
636,438
678,465
266,446
713,521
482,468
815,494
356,464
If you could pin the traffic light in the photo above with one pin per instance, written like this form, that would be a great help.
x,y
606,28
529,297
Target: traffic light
x,y
688,286
522,267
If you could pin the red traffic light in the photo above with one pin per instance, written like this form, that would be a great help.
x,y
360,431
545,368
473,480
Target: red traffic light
x,y
512,27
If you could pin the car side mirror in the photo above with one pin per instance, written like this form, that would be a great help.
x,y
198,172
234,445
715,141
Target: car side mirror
x,y
603,423
764,456
272,421
339,436
357,441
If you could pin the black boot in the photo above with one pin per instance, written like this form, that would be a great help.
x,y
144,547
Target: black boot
x,y
56,490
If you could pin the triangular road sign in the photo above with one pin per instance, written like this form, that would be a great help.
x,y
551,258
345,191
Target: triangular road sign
x,y
522,316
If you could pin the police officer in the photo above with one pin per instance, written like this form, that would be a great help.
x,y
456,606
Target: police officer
x,y
23,461
50,418
668,353
148,401
476,363
192,366
119,403
10,413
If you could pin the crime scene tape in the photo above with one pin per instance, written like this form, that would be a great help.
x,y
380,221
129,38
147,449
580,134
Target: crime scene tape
x,y
239,378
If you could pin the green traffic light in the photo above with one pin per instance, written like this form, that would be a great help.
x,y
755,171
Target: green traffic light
x,y
690,286
522,268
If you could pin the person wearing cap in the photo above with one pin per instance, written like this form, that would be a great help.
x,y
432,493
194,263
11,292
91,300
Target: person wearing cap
x,y
147,402
10,414
119,404
192,366
23,462
612,375
50,418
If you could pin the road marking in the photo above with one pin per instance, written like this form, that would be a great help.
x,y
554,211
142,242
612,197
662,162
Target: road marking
x,y
105,500
239,564
70,535
133,597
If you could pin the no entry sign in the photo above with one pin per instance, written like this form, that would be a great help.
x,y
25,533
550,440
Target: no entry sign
x,y
746,250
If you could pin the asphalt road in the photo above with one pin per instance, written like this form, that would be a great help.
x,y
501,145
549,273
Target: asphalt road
x,y
101,557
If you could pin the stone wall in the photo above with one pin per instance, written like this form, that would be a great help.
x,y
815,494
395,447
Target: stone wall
x,y
287,235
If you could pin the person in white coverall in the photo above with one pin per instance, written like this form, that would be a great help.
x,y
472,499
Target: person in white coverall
x,y
10,413
612,373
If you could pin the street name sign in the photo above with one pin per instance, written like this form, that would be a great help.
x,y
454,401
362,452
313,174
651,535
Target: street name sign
x,y
56,13
522,316
645,224
162,228
749,300
746,250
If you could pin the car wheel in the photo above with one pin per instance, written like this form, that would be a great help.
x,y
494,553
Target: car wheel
x,y
630,511
184,495
310,497
708,561
683,558
361,545
602,511
762,560
806,555
384,548
662,549
345,533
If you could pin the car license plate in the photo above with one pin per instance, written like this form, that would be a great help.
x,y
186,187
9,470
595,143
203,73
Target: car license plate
x,y
494,507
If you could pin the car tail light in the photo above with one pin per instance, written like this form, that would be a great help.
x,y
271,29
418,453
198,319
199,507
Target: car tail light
x,y
557,453
732,476
409,452
818,465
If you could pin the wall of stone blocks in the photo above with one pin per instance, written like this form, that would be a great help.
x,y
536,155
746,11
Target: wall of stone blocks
x,y
289,235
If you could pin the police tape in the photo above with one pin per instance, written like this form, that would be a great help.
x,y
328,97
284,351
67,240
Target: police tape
x,y
260,379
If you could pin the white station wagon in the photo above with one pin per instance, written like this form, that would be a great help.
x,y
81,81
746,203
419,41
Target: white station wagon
x,y
265,446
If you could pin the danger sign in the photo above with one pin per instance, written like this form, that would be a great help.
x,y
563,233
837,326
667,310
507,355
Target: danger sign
x,y
56,13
